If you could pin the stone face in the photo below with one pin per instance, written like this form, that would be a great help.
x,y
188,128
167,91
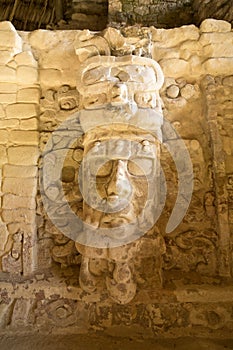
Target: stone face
x,y
162,283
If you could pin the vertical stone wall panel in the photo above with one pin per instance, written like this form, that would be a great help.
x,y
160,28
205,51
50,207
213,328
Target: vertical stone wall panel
x,y
37,93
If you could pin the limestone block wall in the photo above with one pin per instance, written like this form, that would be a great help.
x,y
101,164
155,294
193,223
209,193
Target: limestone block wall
x,y
162,14
39,285
19,100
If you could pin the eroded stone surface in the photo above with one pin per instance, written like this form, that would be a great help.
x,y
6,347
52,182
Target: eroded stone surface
x,y
163,283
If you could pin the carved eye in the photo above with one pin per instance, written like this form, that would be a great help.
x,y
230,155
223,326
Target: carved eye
x,y
100,169
140,166
105,169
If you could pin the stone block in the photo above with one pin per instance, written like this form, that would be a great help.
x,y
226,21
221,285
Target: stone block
x,y
214,25
7,98
2,112
7,25
5,56
21,215
8,88
3,155
21,137
175,67
19,171
218,66
50,78
190,47
7,74
43,39
9,123
14,227
27,75
29,124
11,201
219,50
20,186
21,111
28,95
173,37
3,137
216,38
23,155
228,81
25,59
10,39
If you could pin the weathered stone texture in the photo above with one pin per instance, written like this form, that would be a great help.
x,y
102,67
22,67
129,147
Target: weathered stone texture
x,y
18,127
181,281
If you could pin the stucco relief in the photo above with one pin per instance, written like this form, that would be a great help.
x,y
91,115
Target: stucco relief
x,y
121,109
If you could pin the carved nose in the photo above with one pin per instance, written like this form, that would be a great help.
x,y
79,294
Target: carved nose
x,y
119,186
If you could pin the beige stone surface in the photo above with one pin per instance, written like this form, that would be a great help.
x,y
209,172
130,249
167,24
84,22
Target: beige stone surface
x,y
9,123
27,75
175,67
28,95
3,137
11,39
165,284
7,74
20,186
213,25
18,215
21,111
19,171
19,137
50,78
2,112
29,124
23,155
11,201
175,36
5,56
25,58
218,66
8,88
7,98
3,155
213,50
216,38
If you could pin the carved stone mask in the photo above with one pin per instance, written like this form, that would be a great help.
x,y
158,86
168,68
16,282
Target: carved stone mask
x,y
118,170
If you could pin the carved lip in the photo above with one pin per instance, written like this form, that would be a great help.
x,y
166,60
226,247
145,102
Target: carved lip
x,y
118,221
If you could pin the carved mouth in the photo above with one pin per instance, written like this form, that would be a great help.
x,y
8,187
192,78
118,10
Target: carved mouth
x,y
114,222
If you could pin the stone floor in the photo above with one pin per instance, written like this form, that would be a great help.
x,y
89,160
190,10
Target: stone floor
x,y
80,342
